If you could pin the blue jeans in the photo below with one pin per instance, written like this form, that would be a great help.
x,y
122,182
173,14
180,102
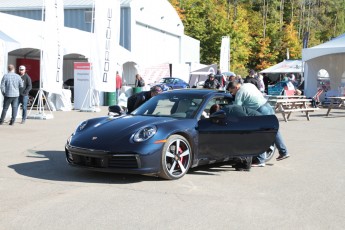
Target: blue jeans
x,y
24,101
267,109
13,101
118,91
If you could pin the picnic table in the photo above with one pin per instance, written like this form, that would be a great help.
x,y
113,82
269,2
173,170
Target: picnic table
x,y
287,106
286,96
335,101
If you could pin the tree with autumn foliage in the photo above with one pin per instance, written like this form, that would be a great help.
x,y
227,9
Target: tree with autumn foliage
x,y
260,32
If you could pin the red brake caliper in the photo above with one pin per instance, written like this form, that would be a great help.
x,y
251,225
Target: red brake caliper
x,y
180,152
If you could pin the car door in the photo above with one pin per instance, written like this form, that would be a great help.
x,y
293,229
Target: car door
x,y
177,84
230,136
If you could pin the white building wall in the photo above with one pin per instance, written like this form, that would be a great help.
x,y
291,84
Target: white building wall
x,y
155,46
156,32
190,50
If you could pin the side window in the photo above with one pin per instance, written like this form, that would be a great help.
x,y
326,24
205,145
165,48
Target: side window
x,y
221,101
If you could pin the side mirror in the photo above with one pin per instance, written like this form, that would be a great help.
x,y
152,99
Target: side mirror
x,y
115,110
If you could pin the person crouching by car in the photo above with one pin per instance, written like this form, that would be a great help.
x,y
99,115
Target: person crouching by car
x,y
138,99
211,82
249,96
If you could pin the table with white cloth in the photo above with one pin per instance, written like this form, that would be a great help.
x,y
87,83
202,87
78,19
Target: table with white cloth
x,y
60,102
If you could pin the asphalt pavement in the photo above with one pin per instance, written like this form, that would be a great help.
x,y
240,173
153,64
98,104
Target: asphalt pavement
x,y
38,190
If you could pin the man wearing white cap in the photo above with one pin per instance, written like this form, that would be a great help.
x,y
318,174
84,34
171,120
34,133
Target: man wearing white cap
x,y
24,92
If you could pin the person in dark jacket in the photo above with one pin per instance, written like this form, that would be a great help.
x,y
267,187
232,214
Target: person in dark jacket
x,y
24,92
251,79
211,82
139,81
138,99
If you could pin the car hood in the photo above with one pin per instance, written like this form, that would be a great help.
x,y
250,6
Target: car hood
x,y
108,132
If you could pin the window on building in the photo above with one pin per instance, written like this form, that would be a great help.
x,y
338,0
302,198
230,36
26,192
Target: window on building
x,y
88,16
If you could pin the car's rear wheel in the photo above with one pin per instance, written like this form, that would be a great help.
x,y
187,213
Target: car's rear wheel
x,y
176,158
270,152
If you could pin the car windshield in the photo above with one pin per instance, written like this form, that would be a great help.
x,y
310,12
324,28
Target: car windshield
x,y
179,105
166,80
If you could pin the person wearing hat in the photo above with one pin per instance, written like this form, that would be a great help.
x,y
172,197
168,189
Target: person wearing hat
x,y
211,82
24,92
138,99
251,79
10,85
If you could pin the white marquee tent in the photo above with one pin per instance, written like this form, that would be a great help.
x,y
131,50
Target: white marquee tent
x,y
329,56
276,72
286,66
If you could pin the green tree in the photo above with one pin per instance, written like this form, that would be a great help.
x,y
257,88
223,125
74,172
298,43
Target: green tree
x,y
260,31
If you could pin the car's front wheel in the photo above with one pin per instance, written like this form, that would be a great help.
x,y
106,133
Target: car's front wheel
x,y
176,158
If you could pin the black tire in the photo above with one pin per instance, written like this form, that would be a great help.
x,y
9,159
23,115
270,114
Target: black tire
x,y
270,152
176,158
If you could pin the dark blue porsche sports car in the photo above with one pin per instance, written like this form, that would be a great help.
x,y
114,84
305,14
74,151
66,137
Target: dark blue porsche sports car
x,y
169,134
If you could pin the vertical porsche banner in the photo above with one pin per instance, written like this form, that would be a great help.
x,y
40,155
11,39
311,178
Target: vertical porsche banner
x,y
52,59
106,26
224,63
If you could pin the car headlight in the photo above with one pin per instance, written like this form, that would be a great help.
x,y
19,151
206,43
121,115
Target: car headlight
x,y
145,133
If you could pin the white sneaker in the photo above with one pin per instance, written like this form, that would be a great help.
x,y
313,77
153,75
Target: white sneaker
x,y
259,165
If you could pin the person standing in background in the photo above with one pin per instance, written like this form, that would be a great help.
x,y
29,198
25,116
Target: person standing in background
x,y
118,86
211,82
10,85
252,79
261,83
139,82
24,91
267,81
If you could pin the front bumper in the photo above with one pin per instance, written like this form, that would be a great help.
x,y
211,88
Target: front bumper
x,y
103,161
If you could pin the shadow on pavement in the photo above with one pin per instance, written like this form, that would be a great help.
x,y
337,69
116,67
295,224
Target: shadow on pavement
x,y
54,167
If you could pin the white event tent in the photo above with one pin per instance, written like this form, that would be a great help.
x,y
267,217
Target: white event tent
x,y
286,66
329,56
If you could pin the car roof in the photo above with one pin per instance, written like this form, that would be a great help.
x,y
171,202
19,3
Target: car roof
x,y
171,78
197,91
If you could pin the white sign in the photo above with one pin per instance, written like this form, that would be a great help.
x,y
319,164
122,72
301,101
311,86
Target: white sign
x,y
224,63
82,74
